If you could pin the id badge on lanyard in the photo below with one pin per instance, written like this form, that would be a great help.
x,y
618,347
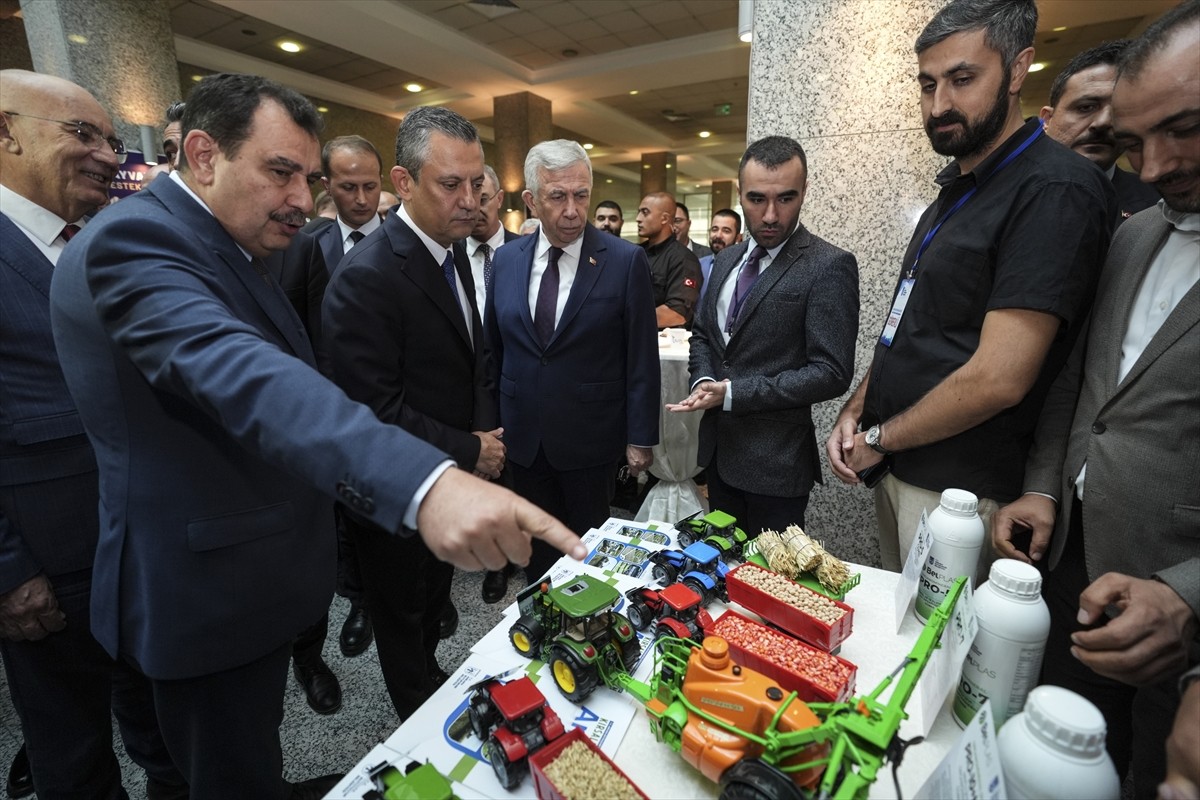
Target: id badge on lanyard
x,y
893,320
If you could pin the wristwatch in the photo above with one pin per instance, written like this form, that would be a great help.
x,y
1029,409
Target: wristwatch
x,y
872,439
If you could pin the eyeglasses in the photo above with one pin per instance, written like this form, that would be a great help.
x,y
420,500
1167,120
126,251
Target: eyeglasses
x,y
88,133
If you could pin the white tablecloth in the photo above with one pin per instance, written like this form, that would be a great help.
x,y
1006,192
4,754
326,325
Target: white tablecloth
x,y
675,496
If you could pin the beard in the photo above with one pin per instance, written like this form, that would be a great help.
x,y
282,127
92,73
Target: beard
x,y
973,137
1185,202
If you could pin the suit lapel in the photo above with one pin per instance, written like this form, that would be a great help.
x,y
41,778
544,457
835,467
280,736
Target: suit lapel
x,y
330,239
264,289
788,256
420,267
1184,317
530,244
24,258
1126,283
587,272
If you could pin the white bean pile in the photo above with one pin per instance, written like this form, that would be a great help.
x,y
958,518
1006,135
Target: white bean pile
x,y
815,605
580,774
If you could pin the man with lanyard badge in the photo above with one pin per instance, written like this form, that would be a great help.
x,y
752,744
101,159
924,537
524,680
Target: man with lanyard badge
x,y
994,288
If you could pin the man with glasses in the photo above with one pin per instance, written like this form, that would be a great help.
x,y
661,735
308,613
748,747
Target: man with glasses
x,y
57,158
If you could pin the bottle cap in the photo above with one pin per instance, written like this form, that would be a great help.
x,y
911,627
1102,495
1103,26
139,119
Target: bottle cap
x,y
1015,577
1065,721
959,501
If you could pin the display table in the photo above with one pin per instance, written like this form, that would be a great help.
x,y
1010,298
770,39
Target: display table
x,y
675,496
874,647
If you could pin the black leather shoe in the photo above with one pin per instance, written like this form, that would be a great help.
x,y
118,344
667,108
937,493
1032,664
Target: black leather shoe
x,y
321,686
314,788
449,621
356,632
20,779
495,585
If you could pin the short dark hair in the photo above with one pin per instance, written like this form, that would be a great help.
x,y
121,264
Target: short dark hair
x,y
1156,37
175,111
353,143
1009,25
412,137
610,204
223,106
729,212
681,207
773,152
1105,53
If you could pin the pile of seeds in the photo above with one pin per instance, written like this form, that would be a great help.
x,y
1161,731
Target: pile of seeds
x,y
815,605
820,669
580,774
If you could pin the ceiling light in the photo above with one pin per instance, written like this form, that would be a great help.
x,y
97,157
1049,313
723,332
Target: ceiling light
x,y
633,91
745,20
645,166
77,38
323,109
704,134
608,180
1059,29
197,77
588,146
669,166
289,47
1037,66
414,87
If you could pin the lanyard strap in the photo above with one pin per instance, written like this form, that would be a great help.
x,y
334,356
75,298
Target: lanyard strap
x,y
962,201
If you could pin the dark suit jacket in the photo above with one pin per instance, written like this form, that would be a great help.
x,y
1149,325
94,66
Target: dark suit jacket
x,y
595,387
1140,437
396,340
48,500
1132,195
303,273
792,346
220,448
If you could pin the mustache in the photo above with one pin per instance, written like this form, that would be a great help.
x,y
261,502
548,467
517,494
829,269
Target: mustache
x,y
1177,175
293,218
949,118
1096,138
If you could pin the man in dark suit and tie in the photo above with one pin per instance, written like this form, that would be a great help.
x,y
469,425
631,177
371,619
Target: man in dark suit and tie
x,y
402,335
1110,486
221,448
65,688
352,168
774,335
571,324
1080,117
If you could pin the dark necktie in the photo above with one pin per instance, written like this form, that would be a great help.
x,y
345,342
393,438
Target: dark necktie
x,y
355,238
745,283
448,274
69,231
487,266
547,299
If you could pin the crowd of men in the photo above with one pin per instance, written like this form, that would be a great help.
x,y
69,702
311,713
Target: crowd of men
x,y
220,402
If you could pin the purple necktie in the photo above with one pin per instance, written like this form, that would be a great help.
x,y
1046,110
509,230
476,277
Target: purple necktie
x,y
745,283
448,274
547,299
69,232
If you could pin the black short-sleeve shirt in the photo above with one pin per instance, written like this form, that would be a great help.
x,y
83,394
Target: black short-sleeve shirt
x,y
675,273
1033,236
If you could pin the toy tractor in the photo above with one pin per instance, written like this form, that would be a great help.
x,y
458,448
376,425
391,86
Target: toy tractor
x,y
698,566
737,727
677,610
575,630
717,529
419,782
513,721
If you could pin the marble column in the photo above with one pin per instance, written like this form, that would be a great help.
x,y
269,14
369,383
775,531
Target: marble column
x,y
723,195
658,173
521,120
122,51
840,77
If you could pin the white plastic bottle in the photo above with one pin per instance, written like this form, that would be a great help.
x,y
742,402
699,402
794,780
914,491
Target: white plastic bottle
x,y
957,534
1006,656
1055,749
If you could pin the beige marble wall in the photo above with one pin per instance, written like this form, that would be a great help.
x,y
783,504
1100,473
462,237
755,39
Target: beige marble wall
x,y
840,77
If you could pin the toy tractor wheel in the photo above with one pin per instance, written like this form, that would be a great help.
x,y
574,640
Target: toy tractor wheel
x,y
526,636
687,537
640,615
509,773
631,651
482,715
699,588
575,679
752,779
663,573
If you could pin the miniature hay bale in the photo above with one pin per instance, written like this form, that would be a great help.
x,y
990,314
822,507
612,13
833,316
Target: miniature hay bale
x,y
807,554
778,557
580,774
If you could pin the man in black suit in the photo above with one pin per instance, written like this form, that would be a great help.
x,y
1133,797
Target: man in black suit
x,y
774,335
402,334
65,688
1080,116
683,230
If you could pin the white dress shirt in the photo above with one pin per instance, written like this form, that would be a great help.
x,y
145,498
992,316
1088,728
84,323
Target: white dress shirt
x,y
43,228
475,252
348,243
568,265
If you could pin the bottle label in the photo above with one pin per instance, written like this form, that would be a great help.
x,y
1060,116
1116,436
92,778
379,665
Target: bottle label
x,y
999,670
941,568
